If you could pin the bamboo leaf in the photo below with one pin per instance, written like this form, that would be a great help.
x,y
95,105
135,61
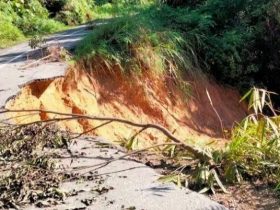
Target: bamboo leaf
x,y
273,126
169,178
204,190
246,95
179,183
219,181
263,99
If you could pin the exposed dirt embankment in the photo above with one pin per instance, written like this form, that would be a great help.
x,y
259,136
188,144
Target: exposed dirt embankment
x,y
145,99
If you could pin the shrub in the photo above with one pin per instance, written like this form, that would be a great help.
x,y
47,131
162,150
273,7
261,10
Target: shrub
x,y
6,12
236,41
9,34
33,25
25,17
75,12
29,16
49,25
31,8
254,151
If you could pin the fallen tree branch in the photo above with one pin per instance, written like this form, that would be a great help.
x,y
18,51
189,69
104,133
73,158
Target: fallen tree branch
x,y
90,130
35,62
100,165
47,121
198,153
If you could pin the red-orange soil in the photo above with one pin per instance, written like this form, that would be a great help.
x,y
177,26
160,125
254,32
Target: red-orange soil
x,y
145,98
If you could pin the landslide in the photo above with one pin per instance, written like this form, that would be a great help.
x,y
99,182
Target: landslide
x,y
145,98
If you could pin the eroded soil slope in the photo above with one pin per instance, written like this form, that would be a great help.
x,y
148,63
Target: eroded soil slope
x,y
147,98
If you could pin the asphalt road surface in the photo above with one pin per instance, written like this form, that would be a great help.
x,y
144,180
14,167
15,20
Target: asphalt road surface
x,y
12,59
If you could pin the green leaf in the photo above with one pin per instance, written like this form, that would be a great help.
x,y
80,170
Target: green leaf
x,y
169,178
179,183
246,95
274,127
204,190
219,181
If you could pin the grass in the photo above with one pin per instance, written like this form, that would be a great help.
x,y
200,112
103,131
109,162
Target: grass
x,y
253,153
254,149
40,26
118,9
137,42
9,34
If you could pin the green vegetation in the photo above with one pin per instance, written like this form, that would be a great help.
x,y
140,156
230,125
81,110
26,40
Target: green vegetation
x,y
254,150
118,8
253,153
237,42
21,18
136,44
9,34
75,12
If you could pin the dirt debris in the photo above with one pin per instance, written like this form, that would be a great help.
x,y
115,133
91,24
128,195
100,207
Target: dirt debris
x,y
31,170
28,171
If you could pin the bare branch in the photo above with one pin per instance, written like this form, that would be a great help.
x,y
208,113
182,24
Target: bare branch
x,y
100,165
70,116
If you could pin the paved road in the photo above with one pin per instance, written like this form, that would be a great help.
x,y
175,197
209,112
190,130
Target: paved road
x,y
11,59
131,184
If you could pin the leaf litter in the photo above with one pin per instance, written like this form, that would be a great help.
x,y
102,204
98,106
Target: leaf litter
x,y
30,173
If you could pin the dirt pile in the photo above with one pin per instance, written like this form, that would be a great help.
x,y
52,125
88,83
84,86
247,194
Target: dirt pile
x,y
147,98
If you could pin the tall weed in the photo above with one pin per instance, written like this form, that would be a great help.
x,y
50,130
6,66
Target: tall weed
x,y
136,43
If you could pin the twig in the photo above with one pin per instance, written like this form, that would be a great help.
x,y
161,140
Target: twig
x,y
99,165
46,121
216,112
92,129
198,153
37,61
15,117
